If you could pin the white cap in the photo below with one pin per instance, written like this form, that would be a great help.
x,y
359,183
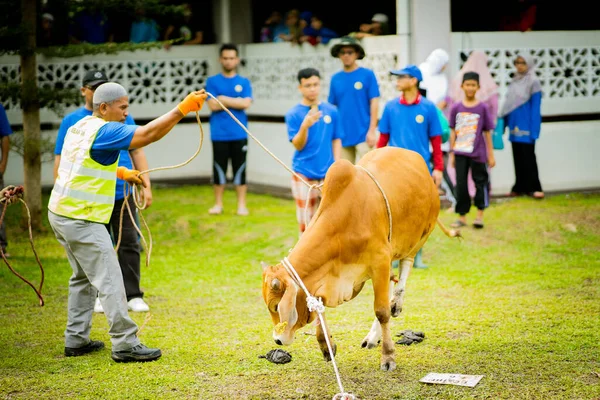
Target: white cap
x,y
48,16
108,92
382,18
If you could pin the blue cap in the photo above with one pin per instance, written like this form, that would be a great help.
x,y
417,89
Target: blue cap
x,y
411,70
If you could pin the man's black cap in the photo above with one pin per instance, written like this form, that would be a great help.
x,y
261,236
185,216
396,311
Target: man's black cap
x,y
94,78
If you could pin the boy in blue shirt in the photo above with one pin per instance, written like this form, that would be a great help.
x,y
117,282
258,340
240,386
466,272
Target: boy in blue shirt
x,y
229,140
129,248
315,130
411,122
355,92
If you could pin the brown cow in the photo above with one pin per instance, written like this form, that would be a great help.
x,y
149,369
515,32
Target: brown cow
x,y
348,242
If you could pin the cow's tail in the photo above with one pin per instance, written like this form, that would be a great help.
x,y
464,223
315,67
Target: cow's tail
x,y
448,232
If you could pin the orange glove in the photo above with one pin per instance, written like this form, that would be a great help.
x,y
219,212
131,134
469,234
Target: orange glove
x,y
193,102
130,175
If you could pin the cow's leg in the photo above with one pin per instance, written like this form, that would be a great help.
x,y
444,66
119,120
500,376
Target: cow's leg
x,y
374,336
381,285
322,341
397,300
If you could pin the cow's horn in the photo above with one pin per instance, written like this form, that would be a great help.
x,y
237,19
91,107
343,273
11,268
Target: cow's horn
x,y
275,284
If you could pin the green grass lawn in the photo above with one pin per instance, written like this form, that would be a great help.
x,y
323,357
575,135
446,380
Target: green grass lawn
x,y
517,302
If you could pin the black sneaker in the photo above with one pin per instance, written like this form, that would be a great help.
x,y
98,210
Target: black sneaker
x,y
138,353
93,345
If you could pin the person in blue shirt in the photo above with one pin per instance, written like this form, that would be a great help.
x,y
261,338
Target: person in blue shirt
x,y
5,132
355,92
522,115
79,207
315,130
229,140
129,247
411,122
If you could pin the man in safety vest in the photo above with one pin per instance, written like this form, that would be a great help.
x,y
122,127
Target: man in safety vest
x,y
80,205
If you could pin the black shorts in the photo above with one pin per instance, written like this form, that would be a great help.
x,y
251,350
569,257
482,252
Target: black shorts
x,y
235,151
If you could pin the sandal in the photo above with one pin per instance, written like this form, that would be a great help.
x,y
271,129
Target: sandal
x,y
457,224
478,224
243,212
216,210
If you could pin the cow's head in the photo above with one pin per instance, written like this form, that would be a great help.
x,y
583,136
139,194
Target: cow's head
x,y
286,302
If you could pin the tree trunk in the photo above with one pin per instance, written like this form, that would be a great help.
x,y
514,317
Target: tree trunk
x,y
31,114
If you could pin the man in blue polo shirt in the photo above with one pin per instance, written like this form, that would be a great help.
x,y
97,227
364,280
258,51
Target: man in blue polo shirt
x,y
315,130
411,121
129,248
355,92
5,132
229,140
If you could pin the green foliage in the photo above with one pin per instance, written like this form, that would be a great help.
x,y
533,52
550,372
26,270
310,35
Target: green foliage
x,y
516,302
82,49
46,145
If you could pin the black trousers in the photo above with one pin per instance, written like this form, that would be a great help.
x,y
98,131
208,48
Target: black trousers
x,y
129,248
462,164
236,151
527,178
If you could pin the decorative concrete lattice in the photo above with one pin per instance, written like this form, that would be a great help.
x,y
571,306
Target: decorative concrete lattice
x,y
565,73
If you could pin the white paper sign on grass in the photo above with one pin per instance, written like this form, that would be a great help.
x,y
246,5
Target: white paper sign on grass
x,y
452,379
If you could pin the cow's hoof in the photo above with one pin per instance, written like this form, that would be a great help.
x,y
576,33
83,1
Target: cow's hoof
x,y
326,354
396,309
369,344
388,366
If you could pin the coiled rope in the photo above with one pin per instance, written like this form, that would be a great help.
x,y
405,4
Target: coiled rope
x,y
11,195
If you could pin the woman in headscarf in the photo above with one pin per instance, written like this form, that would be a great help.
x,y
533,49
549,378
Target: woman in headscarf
x,y
522,115
487,94
435,87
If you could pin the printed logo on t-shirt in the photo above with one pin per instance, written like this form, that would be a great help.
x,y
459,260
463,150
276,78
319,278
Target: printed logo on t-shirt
x,y
238,88
419,118
466,130
327,119
358,85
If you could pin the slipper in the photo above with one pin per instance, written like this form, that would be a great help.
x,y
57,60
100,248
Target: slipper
x,y
538,195
216,210
243,211
478,224
458,224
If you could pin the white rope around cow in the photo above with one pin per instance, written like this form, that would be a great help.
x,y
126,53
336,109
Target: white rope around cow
x,y
316,304
387,203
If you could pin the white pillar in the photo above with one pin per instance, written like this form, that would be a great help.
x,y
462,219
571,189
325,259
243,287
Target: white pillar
x,y
224,12
404,30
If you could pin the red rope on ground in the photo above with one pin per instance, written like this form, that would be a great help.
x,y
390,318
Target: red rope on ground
x,y
11,195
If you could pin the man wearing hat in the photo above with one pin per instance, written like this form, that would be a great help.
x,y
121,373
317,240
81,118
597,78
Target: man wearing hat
x,y
81,204
355,92
129,247
411,121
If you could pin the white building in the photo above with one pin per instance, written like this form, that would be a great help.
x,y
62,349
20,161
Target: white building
x,y
568,64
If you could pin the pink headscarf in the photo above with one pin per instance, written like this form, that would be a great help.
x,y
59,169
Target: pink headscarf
x,y
488,89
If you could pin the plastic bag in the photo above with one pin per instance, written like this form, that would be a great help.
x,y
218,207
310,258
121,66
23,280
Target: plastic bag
x,y
497,135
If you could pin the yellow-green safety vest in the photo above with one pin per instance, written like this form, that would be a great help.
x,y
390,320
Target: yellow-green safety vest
x,y
84,189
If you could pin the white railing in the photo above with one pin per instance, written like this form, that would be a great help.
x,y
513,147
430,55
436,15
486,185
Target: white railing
x,y
568,66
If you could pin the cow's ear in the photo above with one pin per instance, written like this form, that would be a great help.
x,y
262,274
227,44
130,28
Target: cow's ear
x,y
264,265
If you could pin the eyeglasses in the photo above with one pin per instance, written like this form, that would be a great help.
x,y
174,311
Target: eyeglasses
x,y
520,62
344,52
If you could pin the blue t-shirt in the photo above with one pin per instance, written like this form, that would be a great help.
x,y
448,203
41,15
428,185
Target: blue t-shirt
x,y
351,93
223,128
145,30
411,126
124,160
5,128
316,157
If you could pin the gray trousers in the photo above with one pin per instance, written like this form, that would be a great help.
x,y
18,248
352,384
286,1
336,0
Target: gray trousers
x,y
96,271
